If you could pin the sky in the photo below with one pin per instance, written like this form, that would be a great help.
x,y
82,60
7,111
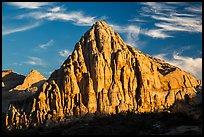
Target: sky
x,y
41,35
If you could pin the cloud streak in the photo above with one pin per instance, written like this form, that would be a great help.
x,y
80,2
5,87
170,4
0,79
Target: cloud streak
x,y
133,32
168,17
56,9
35,61
7,31
46,45
64,53
156,33
28,5
197,9
78,18
179,23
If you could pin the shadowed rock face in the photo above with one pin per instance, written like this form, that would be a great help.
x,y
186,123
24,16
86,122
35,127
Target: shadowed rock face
x,y
18,87
10,79
103,76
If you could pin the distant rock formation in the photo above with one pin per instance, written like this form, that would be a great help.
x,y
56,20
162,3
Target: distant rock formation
x,y
23,86
103,75
32,81
10,79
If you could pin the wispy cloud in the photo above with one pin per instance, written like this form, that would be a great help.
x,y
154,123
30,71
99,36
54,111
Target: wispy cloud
x,y
64,53
56,9
136,20
156,33
197,9
156,7
78,18
28,5
7,31
131,31
35,61
17,64
46,45
133,35
179,23
169,17
188,64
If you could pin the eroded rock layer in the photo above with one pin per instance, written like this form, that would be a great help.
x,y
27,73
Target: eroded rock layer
x,y
103,75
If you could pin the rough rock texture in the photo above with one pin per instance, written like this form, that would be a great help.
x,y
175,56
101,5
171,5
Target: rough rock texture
x,y
103,76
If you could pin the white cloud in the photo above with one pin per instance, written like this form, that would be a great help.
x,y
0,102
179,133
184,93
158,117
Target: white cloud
x,y
46,45
28,5
17,64
157,7
182,14
188,64
136,20
132,32
176,3
35,61
7,31
55,9
174,27
197,9
132,35
176,23
156,33
64,53
185,18
78,18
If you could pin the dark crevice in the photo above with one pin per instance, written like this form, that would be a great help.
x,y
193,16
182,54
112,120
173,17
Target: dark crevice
x,y
189,80
139,84
184,80
122,79
167,96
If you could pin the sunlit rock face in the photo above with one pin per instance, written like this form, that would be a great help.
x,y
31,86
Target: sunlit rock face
x,y
103,75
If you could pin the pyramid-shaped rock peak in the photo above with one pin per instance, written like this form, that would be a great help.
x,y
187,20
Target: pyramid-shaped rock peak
x,y
103,75
32,78
102,37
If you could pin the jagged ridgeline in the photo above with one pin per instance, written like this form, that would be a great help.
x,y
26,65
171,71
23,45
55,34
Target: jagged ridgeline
x,y
103,75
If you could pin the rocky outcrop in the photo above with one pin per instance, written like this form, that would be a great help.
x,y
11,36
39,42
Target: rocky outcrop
x,y
32,81
18,87
10,79
103,75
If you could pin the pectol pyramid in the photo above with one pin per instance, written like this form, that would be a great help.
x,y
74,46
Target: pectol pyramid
x,y
103,75
32,78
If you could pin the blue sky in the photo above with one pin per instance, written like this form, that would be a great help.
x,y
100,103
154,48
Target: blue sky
x,y
41,35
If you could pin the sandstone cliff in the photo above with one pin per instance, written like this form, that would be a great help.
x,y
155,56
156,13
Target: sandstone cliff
x,y
103,75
